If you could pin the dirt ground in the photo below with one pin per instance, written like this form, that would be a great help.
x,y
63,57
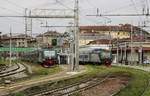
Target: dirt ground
x,y
107,88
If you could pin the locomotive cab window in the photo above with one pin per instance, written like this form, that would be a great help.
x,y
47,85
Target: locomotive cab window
x,y
105,54
49,53
83,56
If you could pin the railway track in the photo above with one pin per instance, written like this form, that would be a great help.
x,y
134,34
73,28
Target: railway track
x,y
18,69
72,88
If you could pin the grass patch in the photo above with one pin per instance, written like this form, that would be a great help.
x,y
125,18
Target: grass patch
x,y
137,85
19,94
45,71
4,62
147,93
39,70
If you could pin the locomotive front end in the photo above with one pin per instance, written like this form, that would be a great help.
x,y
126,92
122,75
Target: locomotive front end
x,y
49,58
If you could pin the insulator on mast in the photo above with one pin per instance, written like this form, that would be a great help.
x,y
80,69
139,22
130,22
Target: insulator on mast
x,y
143,10
147,11
97,11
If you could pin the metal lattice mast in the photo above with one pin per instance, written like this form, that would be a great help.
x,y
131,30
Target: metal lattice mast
x,y
25,20
29,27
28,24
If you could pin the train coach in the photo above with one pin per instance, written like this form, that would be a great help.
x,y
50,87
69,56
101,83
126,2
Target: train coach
x,y
45,57
90,55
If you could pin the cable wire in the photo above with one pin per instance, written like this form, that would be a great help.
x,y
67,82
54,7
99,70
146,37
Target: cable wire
x,y
57,1
134,5
14,4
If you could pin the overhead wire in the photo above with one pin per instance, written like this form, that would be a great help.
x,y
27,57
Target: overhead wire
x,y
85,17
97,22
10,10
62,4
91,4
19,7
23,8
135,8
14,4
122,7
13,12
147,2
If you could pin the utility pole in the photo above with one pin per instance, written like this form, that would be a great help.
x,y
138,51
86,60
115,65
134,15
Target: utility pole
x,y
131,43
140,48
76,41
71,49
117,57
10,47
125,53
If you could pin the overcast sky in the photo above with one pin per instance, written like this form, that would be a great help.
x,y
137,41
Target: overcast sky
x,y
87,7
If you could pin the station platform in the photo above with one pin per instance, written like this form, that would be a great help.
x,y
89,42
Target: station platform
x,y
140,67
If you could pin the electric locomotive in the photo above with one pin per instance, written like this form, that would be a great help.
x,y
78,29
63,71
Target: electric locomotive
x,y
45,57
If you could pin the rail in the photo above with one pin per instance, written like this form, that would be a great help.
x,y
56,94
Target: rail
x,y
13,71
72,88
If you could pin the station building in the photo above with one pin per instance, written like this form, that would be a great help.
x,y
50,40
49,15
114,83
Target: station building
x,y
118,39
103,43
20,43
92,33
17,40
135,51
49,38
